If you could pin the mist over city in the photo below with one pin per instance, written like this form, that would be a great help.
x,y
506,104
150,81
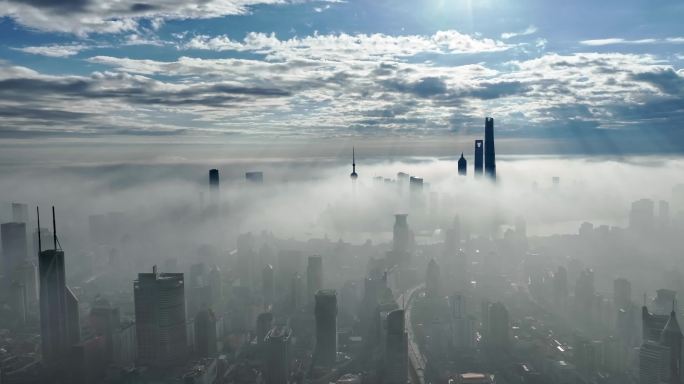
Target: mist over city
x,y
341,191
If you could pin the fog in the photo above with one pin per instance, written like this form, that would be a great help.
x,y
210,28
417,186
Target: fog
x,y
117,220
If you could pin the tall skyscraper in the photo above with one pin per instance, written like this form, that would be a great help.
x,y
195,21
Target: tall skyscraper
x,y
660,355
479,157
490,156
277,365
462,166
326,328
401,240
20,213
314,277
205,333
353,175
671,337
160,318
213,178
59,322
268,285
622,293
498,338
396,349
433,285
13,249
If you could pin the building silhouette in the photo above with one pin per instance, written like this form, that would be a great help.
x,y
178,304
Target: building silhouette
x,y
498,337
13,249
268,285
489,153
20,213
206,337
396,349
660,354
622,293
325,312
59,322
256,177
462,166
314,277
213,178
479,157
433,283
402,240
353,175
161,325
277,364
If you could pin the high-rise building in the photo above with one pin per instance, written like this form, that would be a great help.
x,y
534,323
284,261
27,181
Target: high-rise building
x,y
402,240
326,328
214,178
205,333
25,274
641,216
653,363
264,324
268,284
498,337
433,281
396,349
622,293
59,322
353,175
256,177
671,337
490,156
462,166
479,157
105,321
13,249
20,213
161,326
18,302
314,277
462,324
277,365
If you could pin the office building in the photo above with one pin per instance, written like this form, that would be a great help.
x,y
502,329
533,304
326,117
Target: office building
x,y
489,154
402,240
277,364
13,249
268,285
213,178
462,166
642,216
206,340
653,363
622,293
264,324
314,277
498,327
256,177
161,326
396,349
433,281
326,328
20,213
479,158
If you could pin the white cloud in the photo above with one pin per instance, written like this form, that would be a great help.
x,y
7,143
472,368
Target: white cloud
x,y
104,16
617,41
527,31
55,50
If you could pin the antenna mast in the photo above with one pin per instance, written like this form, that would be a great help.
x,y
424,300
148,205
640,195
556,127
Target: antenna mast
x,y
40,247
54,229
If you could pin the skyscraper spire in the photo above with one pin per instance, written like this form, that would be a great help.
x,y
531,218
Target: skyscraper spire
x,y
353,175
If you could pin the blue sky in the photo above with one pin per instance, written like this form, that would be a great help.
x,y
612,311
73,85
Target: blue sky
x,y
268,70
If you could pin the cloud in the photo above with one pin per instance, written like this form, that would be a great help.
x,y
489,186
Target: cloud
x,y
349,47
527,31
618,41
55,50
82,17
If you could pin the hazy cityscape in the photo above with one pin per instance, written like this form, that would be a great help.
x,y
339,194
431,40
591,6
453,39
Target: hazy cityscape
x,y
341,192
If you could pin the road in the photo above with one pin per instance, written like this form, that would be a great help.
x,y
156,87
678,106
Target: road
x,y
416,358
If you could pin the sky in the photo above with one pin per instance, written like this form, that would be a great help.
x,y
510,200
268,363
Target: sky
x,y
587,77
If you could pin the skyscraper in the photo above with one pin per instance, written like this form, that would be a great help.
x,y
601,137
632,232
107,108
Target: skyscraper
x,y
353,175
13,249
433,285
396,349
205,333
490,156
401,241
479,157
59,323
671,337
314,277
326,328
20,213
462,166
160,318
277,366
213,178
498,338
268,285
622,293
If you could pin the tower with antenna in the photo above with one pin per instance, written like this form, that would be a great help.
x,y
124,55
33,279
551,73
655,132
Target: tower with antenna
x,y
353,175
59,322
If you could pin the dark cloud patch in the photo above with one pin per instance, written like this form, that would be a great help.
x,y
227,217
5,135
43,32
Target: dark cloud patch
x,y
142,7
667,80
488,91
426,87
40,114
57,6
